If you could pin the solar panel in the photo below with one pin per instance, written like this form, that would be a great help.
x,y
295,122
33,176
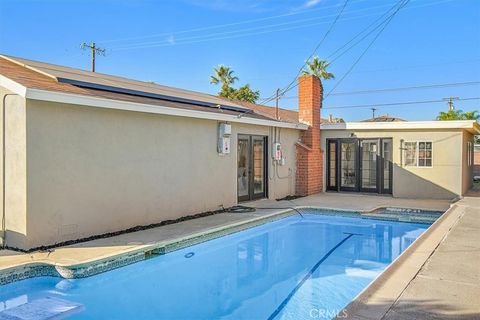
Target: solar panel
x,y
110,83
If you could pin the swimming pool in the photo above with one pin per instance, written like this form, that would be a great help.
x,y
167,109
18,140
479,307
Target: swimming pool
x,y
293,268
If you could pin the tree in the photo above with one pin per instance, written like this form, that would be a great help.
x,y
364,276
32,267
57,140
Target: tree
x,y
471,115
318,68
450,115
225,76
245,93
458,115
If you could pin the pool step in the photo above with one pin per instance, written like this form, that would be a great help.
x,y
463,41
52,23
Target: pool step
x,y
42,309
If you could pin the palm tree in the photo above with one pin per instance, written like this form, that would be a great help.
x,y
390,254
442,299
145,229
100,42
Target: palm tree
x,y
450,115
223,75
318,68
471,115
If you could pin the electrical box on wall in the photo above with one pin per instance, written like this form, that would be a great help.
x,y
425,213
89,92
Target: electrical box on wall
x,y
277,151
224,133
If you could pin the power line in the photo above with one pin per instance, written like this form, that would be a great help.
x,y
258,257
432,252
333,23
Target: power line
x,y
385,21
219,26
403,3
93,51
389,104
419,87
313,52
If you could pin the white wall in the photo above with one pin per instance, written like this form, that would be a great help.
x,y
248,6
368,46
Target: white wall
x,y
15,167
93,170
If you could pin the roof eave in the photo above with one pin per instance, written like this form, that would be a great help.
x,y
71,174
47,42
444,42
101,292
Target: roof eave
x,y
470,125
69,98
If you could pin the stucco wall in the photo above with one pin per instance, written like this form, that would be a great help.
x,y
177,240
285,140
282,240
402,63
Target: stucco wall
x,y
15,167
442,181
93,170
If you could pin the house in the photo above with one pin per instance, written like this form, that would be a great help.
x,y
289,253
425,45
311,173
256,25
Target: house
x,y
384,118
88,153
415,159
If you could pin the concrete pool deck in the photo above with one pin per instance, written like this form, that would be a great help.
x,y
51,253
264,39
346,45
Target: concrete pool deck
x,y
437,277
85,252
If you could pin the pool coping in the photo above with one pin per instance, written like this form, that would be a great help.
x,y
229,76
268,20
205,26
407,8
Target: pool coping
x,y
100,264
375,300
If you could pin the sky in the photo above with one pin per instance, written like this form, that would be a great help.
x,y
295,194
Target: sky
x,y
266,42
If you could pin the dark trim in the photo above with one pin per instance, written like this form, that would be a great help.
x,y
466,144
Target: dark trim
x,y
329,186
140,93
251,195
377,163
355,143
380,188
390,168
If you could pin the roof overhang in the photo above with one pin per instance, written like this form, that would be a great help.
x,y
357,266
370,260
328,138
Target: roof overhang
x,y
83,100
91,101
469,125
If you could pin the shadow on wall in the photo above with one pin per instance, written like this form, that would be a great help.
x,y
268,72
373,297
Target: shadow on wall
x,y
407,309
406,184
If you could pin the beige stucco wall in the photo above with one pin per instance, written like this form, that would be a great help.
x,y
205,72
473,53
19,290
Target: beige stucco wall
x,y
15,168
442,181
93,170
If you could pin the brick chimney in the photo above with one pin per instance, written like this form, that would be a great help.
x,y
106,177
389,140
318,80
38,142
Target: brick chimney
x,y
309,154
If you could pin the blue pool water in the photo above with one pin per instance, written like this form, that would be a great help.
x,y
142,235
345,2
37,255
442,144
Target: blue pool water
x,y
293,268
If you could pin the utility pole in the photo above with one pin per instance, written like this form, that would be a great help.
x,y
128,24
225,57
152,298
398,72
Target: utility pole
x,y
94,51
373,112
449,100
277,97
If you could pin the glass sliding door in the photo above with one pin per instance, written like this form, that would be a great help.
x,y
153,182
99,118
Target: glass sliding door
x,y
364,165
369,165
387,166
332,160
251,167
243,168
259,159
348,165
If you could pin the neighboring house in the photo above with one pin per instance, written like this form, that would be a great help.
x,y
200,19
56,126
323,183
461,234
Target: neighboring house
x,y
417,159
384,118
88,153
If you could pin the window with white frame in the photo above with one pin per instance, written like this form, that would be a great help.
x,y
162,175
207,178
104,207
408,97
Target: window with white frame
x,y
418,154
470,153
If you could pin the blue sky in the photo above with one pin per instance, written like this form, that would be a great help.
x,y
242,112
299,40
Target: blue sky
x,y
178,43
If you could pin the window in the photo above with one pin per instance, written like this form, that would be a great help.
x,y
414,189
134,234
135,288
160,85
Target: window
x,y
470,153
410,154
418,154
424,154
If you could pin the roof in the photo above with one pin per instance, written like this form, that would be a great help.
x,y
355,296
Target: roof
x,y
42,81
469,125
384,118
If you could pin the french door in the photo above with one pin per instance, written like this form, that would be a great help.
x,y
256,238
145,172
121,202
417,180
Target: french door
x,y
251,167
362,165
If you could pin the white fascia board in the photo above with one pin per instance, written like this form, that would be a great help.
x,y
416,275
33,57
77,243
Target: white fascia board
x,y
404,125
12,86
53,96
